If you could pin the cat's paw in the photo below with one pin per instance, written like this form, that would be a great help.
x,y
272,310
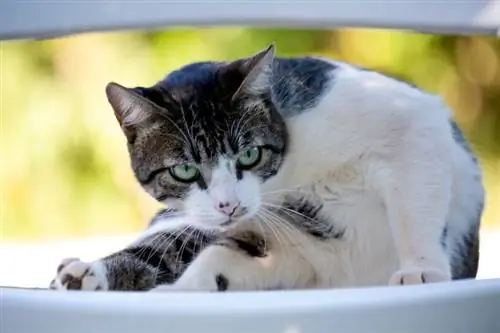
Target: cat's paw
x,y
418,275
74,274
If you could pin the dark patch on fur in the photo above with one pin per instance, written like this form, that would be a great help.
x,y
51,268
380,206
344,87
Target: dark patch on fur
x,y
126,272
222,282
444,234
468,253
160,259
150,256
247,242
469,256
460,139
304,213
299,83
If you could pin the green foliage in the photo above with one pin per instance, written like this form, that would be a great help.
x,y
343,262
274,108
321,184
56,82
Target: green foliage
x,y
64,165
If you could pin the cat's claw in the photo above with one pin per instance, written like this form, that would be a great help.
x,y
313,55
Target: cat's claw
x,y
418,275
74,274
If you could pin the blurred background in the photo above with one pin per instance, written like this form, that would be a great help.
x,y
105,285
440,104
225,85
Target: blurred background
x,y
65,174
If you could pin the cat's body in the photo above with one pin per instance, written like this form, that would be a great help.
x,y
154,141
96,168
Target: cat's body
x,y
363,180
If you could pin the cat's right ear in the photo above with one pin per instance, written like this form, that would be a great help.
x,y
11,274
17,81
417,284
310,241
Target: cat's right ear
x,y
258,71
131,109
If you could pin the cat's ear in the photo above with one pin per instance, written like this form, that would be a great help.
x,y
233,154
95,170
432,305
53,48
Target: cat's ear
x,y
131,109
258,71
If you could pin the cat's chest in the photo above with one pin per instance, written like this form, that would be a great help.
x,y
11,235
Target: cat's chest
x,y
332,186
343,197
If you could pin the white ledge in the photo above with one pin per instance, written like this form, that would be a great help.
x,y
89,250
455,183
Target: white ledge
x,y
50,18
462,306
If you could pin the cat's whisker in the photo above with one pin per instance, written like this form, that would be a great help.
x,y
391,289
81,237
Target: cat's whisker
x,y
279,227
294,189
155,239
297,231
320,227
282,229
289,210
269,225
263,231
175,235
279,222
186,240
293,232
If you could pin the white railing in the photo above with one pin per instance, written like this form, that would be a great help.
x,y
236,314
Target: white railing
x,y
46,18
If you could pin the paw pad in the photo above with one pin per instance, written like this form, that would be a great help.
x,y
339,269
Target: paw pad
x,y
74,274
418,276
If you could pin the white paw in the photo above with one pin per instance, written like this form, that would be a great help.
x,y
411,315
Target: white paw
x,y
418,275
74,274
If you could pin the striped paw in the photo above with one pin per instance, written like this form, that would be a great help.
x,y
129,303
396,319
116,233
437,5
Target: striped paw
x,y
74,274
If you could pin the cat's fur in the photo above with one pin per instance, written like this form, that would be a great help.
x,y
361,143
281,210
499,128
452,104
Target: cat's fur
x,y
364,180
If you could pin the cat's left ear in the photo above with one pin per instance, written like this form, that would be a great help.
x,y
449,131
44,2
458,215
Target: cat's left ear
x,y
131,109
258,71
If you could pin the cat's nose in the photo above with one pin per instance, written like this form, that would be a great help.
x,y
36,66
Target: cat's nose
x,y
229,208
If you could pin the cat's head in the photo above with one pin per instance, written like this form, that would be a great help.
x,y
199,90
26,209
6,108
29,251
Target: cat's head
x,y
205,138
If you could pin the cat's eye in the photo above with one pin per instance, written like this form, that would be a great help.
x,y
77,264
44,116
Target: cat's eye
x,y
249,158
186,173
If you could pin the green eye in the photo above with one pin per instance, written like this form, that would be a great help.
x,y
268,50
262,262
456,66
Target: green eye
x,y
249,158
185,172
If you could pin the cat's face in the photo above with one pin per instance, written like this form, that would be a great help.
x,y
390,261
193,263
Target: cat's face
x,y
206,138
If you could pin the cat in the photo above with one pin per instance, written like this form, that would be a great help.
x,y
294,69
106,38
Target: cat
x,y
291,173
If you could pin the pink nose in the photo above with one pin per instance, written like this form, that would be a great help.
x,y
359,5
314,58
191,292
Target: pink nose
x,y
228,208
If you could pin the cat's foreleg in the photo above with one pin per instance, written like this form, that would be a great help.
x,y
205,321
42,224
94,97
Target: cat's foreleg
x,y
119,271
416,183
158,256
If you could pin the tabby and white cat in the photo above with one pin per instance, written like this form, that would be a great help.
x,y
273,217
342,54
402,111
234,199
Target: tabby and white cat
x,y
291,173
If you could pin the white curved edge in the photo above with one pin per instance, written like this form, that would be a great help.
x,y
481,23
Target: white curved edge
x,y
461,306
50,18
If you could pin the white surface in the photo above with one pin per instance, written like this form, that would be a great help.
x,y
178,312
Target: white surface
x,y
466,306
45,18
